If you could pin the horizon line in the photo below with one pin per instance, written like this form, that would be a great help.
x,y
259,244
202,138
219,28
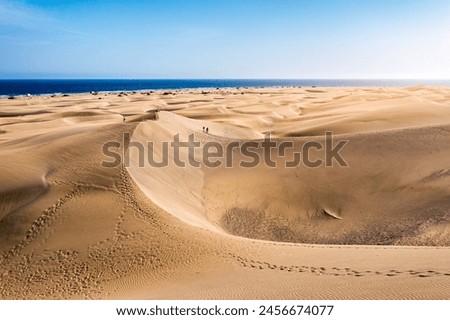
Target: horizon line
x,y
273,79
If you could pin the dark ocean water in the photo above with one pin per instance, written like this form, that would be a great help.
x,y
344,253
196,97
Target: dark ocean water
x,y
37,87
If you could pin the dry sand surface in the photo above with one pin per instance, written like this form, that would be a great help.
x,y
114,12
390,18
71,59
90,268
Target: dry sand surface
x,y
379,228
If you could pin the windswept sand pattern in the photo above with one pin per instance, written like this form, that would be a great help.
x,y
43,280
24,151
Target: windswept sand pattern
x,y
71,228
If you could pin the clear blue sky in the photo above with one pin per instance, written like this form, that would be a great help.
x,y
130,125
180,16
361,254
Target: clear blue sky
x,y
225,39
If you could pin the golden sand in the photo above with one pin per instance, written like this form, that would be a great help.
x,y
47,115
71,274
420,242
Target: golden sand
x,y
376,229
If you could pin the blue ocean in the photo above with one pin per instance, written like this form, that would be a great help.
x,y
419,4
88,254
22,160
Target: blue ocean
x,y
40,87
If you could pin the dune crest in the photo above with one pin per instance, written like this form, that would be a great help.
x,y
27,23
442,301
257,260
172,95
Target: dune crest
x,y
380,198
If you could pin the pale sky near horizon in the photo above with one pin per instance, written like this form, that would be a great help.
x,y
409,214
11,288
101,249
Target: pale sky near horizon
x,y
225,39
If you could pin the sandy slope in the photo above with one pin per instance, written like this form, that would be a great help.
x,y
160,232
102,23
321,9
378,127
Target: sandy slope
x,y
72,228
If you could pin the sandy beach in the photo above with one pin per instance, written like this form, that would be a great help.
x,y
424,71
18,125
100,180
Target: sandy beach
x,y
75,226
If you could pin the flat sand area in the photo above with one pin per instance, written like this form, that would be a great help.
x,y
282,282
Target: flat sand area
x,y
74,226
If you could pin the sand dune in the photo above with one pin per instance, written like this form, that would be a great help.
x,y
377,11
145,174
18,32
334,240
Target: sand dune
x,y
376,229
